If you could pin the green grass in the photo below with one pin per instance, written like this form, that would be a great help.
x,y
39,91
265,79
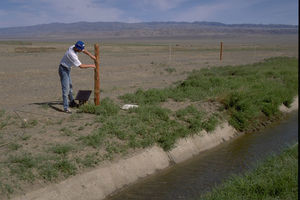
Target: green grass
x,y
275,178
14,146
249,93
6,189
193,117
56,166
151,96
29,124
106,109
61,149
48,171
146,125
25,137
27,167
89,160
66,131
3,124
22,165
2,112
3,121
170,70
66,167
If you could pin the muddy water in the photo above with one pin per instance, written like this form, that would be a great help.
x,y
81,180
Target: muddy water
x,y
196,176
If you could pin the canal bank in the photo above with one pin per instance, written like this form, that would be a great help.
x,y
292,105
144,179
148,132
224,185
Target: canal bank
x,y
110,177
196,176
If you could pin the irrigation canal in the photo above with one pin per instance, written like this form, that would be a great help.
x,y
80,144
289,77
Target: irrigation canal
x,y
198,175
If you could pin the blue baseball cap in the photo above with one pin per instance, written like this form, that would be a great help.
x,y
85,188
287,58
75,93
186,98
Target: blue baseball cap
x,y
80,45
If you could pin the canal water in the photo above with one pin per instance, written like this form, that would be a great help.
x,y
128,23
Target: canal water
x,y
198,175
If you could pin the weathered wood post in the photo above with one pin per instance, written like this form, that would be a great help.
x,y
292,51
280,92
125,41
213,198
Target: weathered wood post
x,y
170,54
97,76
221,50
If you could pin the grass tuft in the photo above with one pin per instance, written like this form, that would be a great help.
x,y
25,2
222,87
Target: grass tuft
x,y
66,167
22,165
61,149
141,97
275,178
2,112
95,139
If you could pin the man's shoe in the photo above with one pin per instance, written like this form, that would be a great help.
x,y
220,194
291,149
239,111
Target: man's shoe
x,y
73,104
69,111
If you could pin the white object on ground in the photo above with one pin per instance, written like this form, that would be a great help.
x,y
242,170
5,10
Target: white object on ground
x,y
128,106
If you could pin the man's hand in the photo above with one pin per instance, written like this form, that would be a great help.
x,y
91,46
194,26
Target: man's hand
x,y
85,51
89,54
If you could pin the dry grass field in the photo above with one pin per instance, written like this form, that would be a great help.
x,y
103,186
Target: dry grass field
x,y
30,101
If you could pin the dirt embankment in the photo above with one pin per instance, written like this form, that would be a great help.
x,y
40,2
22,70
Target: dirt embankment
x,y
107,178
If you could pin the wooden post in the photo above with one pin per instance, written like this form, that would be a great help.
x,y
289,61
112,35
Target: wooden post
x,y
221,50
97,76
170,54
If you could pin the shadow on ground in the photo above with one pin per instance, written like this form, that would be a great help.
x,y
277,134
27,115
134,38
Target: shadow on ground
x,y
52,104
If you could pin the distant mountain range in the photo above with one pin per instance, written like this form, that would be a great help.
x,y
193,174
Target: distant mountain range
x,y
106,30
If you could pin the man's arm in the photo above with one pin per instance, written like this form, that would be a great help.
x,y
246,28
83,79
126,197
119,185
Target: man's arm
x,y
87,66
89,54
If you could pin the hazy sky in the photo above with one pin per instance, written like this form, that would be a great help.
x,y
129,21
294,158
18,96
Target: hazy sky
x,y
31,12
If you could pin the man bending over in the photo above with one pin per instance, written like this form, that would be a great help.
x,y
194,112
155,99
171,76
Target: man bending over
x,y
69,60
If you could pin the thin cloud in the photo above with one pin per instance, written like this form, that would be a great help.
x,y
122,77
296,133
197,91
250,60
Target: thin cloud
x,y
163,5
86,10
237,11
201,13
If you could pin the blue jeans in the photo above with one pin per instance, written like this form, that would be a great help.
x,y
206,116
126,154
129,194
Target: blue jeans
x,y
66,85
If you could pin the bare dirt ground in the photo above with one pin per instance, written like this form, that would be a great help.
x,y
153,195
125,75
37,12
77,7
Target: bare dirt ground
x,y
30,91
30,76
